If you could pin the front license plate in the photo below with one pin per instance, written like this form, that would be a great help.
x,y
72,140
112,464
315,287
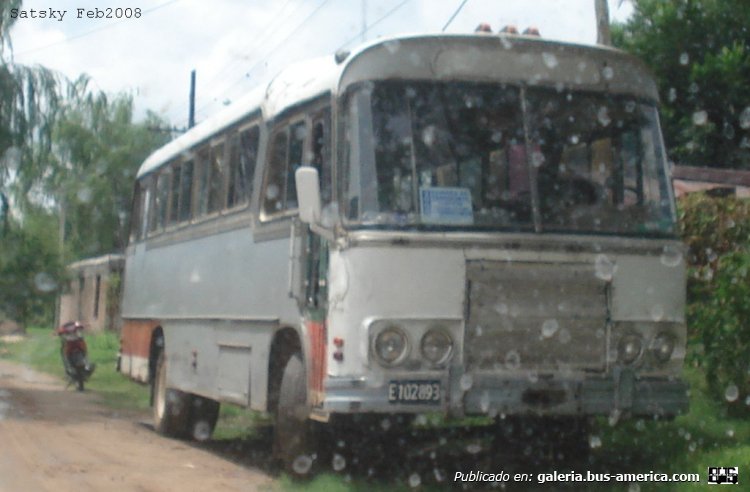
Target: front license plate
x,y
414,392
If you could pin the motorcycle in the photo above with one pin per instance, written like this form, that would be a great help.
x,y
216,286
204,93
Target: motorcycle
x,y
74,353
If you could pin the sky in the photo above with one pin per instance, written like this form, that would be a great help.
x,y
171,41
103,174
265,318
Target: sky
x,y
235,45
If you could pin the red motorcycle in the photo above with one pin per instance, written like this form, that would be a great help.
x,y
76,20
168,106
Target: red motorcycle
x,y
74,353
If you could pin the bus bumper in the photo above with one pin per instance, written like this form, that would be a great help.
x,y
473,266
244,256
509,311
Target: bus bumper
x,y
620,394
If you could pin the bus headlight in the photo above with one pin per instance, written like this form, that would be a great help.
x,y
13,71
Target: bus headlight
x,y
391,345
662,347
437,346
629,348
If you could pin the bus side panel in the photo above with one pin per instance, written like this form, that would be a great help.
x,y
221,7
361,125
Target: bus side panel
x,y
222,360
135,344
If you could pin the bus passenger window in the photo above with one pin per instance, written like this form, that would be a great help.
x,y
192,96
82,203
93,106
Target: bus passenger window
x,y
322,157
135,213
273,200
174,205
243,152
186,190
202,183
216,179
297,135
158,218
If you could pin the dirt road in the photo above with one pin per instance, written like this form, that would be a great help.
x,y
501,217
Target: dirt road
x,y
57,439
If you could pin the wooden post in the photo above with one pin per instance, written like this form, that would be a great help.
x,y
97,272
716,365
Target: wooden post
x,y
603,35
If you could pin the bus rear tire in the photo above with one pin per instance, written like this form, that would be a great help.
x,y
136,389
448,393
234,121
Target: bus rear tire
x,y
171,407
295,439
204,413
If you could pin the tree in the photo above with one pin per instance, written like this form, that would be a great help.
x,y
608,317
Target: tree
x,y
699,51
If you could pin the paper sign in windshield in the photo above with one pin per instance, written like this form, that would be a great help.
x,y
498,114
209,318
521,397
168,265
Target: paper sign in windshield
x,y
446,205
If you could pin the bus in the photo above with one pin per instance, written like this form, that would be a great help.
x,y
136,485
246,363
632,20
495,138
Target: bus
x,y
448,224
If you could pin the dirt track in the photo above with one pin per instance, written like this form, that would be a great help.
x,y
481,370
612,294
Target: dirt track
x,y
57,439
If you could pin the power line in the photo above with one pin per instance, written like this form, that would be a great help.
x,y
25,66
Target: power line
x,y
455,14
385,16
294,31
92,31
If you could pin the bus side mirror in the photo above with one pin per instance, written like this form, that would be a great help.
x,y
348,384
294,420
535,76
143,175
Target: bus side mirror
x,y
308,194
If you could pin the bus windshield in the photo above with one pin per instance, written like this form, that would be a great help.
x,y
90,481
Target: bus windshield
x,y
483,156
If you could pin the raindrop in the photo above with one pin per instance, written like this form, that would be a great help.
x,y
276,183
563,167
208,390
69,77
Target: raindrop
x,y
657,312
747,401
44,282
439,474
537,159
484,402
692,447
574,139
385,424
421,419
497,136
630,106
512,360
392,46
732,393
467,381
338,463
671,256
603,116
302,464
550,60
608,73
595,442
195,277
672,94
414,480
478,330
728,131
272,191
711,254
700,118
474,448
605,268
684,59
564,336
745,118
549,328
84,194
730,433
202,431
428,135
640,425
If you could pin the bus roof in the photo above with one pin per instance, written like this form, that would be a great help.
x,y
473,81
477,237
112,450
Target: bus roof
x,y
481,57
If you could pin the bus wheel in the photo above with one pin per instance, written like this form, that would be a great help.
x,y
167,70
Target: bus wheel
x,y
204,413
294,435
171,406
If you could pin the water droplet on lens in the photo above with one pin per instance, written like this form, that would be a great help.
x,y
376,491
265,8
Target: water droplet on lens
x,y
473,448
700,118
684,59
467,381
745,118
595,442
201,431
671,256
732,393
512,360
484,402
730,432
84,195
338,463
608,73
657,312
603,116
549,328
605,268
44,282
302,464
414,480
385,424
550,60
564,336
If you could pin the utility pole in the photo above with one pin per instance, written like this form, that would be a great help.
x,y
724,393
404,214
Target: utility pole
x,y
191,115
603,35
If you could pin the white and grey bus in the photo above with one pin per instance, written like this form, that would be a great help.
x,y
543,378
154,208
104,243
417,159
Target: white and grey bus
x,y
457,224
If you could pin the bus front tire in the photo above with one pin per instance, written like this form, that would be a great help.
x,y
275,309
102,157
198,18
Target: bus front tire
x,y
171,407
294,436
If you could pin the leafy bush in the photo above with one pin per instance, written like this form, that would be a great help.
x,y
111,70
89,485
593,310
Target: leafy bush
x,y
717,232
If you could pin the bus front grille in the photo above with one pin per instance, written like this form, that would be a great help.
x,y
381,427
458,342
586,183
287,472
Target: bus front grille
x,y
539,317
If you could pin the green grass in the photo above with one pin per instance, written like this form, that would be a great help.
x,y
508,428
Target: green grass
x,y
705,437
41,350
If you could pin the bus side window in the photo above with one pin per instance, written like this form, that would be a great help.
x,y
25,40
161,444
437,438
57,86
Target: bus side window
x,y
186,191
159,214
174,202
273,199
322,155
297,135
243,152
202,182
147,192
217,178
135,213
